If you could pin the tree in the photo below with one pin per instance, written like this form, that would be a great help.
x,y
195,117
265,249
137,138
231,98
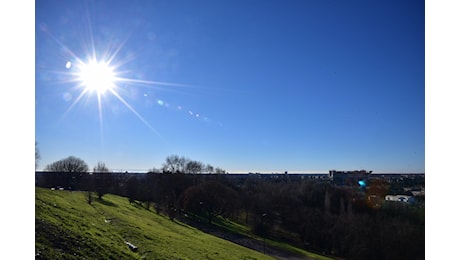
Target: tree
x,y
209,168
89,197
219,170
69,164
154,170
132,189
194,167
211,197
37,155
174,164
180,164
100,167
103,180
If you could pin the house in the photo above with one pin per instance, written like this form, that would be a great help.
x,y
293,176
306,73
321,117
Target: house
x,y
400,198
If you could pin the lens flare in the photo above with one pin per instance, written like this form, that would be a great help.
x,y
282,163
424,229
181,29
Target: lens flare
x,y
97,71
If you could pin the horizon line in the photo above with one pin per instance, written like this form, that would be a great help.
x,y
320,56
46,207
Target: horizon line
x,y
247,172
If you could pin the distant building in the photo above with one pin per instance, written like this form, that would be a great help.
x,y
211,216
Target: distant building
x,y
417,192
400,198
349,178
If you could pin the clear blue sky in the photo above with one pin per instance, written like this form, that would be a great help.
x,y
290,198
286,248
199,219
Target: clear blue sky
x,y
248,86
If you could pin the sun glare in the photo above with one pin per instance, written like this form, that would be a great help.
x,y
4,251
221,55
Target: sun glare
x,y
101,76
97,76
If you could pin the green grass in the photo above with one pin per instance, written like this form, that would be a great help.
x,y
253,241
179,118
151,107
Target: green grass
x,y
67,227
245,231
295,250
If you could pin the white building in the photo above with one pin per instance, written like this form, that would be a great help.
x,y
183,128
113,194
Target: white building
x,y
400,198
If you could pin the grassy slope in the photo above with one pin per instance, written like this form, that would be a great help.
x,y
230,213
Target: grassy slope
x,y
67,227
244,230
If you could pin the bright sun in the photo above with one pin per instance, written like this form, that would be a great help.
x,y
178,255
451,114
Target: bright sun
x,y
97,76
94,75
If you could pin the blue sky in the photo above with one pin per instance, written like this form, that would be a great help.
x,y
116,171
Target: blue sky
x,y
248,86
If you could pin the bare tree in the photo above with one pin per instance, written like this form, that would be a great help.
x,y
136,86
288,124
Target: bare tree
x,y
102,179
219,170
89,197
100,167
180,164
154,170
209,168
174,164
194,167
69,164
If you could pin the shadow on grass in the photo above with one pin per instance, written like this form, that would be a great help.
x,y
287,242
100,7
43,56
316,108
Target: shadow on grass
x,y
107,203
178,222
221,228
138,205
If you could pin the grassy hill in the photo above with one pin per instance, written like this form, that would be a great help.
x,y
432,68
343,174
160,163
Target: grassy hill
x,y
67,227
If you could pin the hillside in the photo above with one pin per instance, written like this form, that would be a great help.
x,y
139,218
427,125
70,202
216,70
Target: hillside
x,y
67,227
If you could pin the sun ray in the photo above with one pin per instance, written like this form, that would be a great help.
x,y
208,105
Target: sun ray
x,y
134,112
91,37
62,45
101,121
115,53
83,93
150,82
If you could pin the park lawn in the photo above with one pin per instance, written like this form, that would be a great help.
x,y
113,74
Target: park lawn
x,y
237,228
67,227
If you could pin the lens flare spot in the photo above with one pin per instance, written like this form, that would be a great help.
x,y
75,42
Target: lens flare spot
x,y
68,65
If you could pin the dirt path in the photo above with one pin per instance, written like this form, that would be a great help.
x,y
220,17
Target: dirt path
x,y
250,243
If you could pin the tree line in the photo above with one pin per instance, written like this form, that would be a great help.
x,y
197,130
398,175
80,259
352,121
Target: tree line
x,y
316,215
173,164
